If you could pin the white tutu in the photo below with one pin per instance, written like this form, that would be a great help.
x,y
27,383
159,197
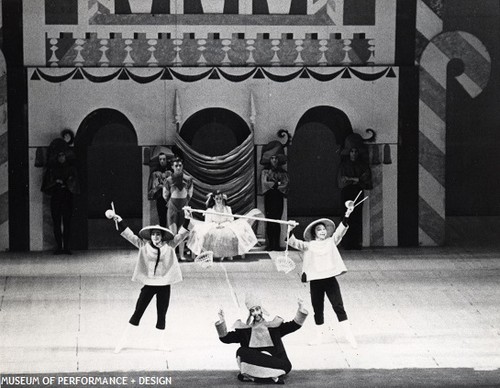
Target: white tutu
x,y
225,239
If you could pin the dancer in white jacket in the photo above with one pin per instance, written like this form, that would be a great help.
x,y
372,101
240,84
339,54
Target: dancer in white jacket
x,y
157,269
322,263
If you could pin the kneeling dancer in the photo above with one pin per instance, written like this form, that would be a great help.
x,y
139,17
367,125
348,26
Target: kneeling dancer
x,y
261,357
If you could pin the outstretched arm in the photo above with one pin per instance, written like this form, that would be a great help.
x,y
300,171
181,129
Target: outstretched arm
x,y
297,244
224,335
344,225
297,322
126,232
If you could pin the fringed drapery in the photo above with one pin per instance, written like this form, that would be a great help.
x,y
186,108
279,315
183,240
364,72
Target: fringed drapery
x,y
232,173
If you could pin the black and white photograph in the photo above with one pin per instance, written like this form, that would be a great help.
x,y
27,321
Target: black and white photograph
x,y
238,193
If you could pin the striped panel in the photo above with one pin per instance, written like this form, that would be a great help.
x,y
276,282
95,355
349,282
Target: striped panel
x,y
432,119
431,159
434,225
432,94
429,24
432,126
377,207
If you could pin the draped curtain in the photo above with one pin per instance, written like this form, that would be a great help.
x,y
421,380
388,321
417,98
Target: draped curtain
x,y
232,173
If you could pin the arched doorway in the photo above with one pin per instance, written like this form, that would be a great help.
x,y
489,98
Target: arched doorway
x,y
313,163
110,169
214,131
219,153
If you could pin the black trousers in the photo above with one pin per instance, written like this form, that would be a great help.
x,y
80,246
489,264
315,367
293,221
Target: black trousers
x,y
162,301
254,356
61,209
273,203
330,287
161,208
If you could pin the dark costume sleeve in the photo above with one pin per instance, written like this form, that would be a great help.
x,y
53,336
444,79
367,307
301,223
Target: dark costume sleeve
x,y
225,336
295,324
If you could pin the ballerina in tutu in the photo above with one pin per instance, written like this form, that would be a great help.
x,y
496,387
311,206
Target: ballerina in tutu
x,y
220,232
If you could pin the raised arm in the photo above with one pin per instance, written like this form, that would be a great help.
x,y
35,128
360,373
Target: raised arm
x,y
127,233
297,322
344,225
221,327
298,244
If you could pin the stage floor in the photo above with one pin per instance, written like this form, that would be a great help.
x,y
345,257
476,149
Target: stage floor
x,y
425,308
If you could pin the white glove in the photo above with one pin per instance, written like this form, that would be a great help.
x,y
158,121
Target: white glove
x,y
117,218
349,211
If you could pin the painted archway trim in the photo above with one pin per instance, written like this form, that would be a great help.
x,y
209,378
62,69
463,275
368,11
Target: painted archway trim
x,y
213,73
432,120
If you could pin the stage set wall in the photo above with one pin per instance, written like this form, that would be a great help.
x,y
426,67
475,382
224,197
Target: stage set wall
x,y
151,110
411,42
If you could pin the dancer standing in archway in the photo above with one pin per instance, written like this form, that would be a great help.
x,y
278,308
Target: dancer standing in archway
x,y
177,193
274,180
61,183
354,176
157,181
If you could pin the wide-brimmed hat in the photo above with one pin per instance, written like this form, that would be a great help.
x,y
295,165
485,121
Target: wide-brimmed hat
x,y
145,233
273,148
329,225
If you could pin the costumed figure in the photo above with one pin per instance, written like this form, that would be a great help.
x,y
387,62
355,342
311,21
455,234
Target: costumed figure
x,y
274,181
62,143
177,193
221,233
261,356
157,181
354,176
60,181
157,269
321,264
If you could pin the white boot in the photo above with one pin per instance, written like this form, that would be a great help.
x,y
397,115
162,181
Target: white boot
x,y
162,341
346,327
319,336
124,337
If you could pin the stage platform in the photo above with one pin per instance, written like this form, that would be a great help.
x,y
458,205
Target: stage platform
x,y
428,312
